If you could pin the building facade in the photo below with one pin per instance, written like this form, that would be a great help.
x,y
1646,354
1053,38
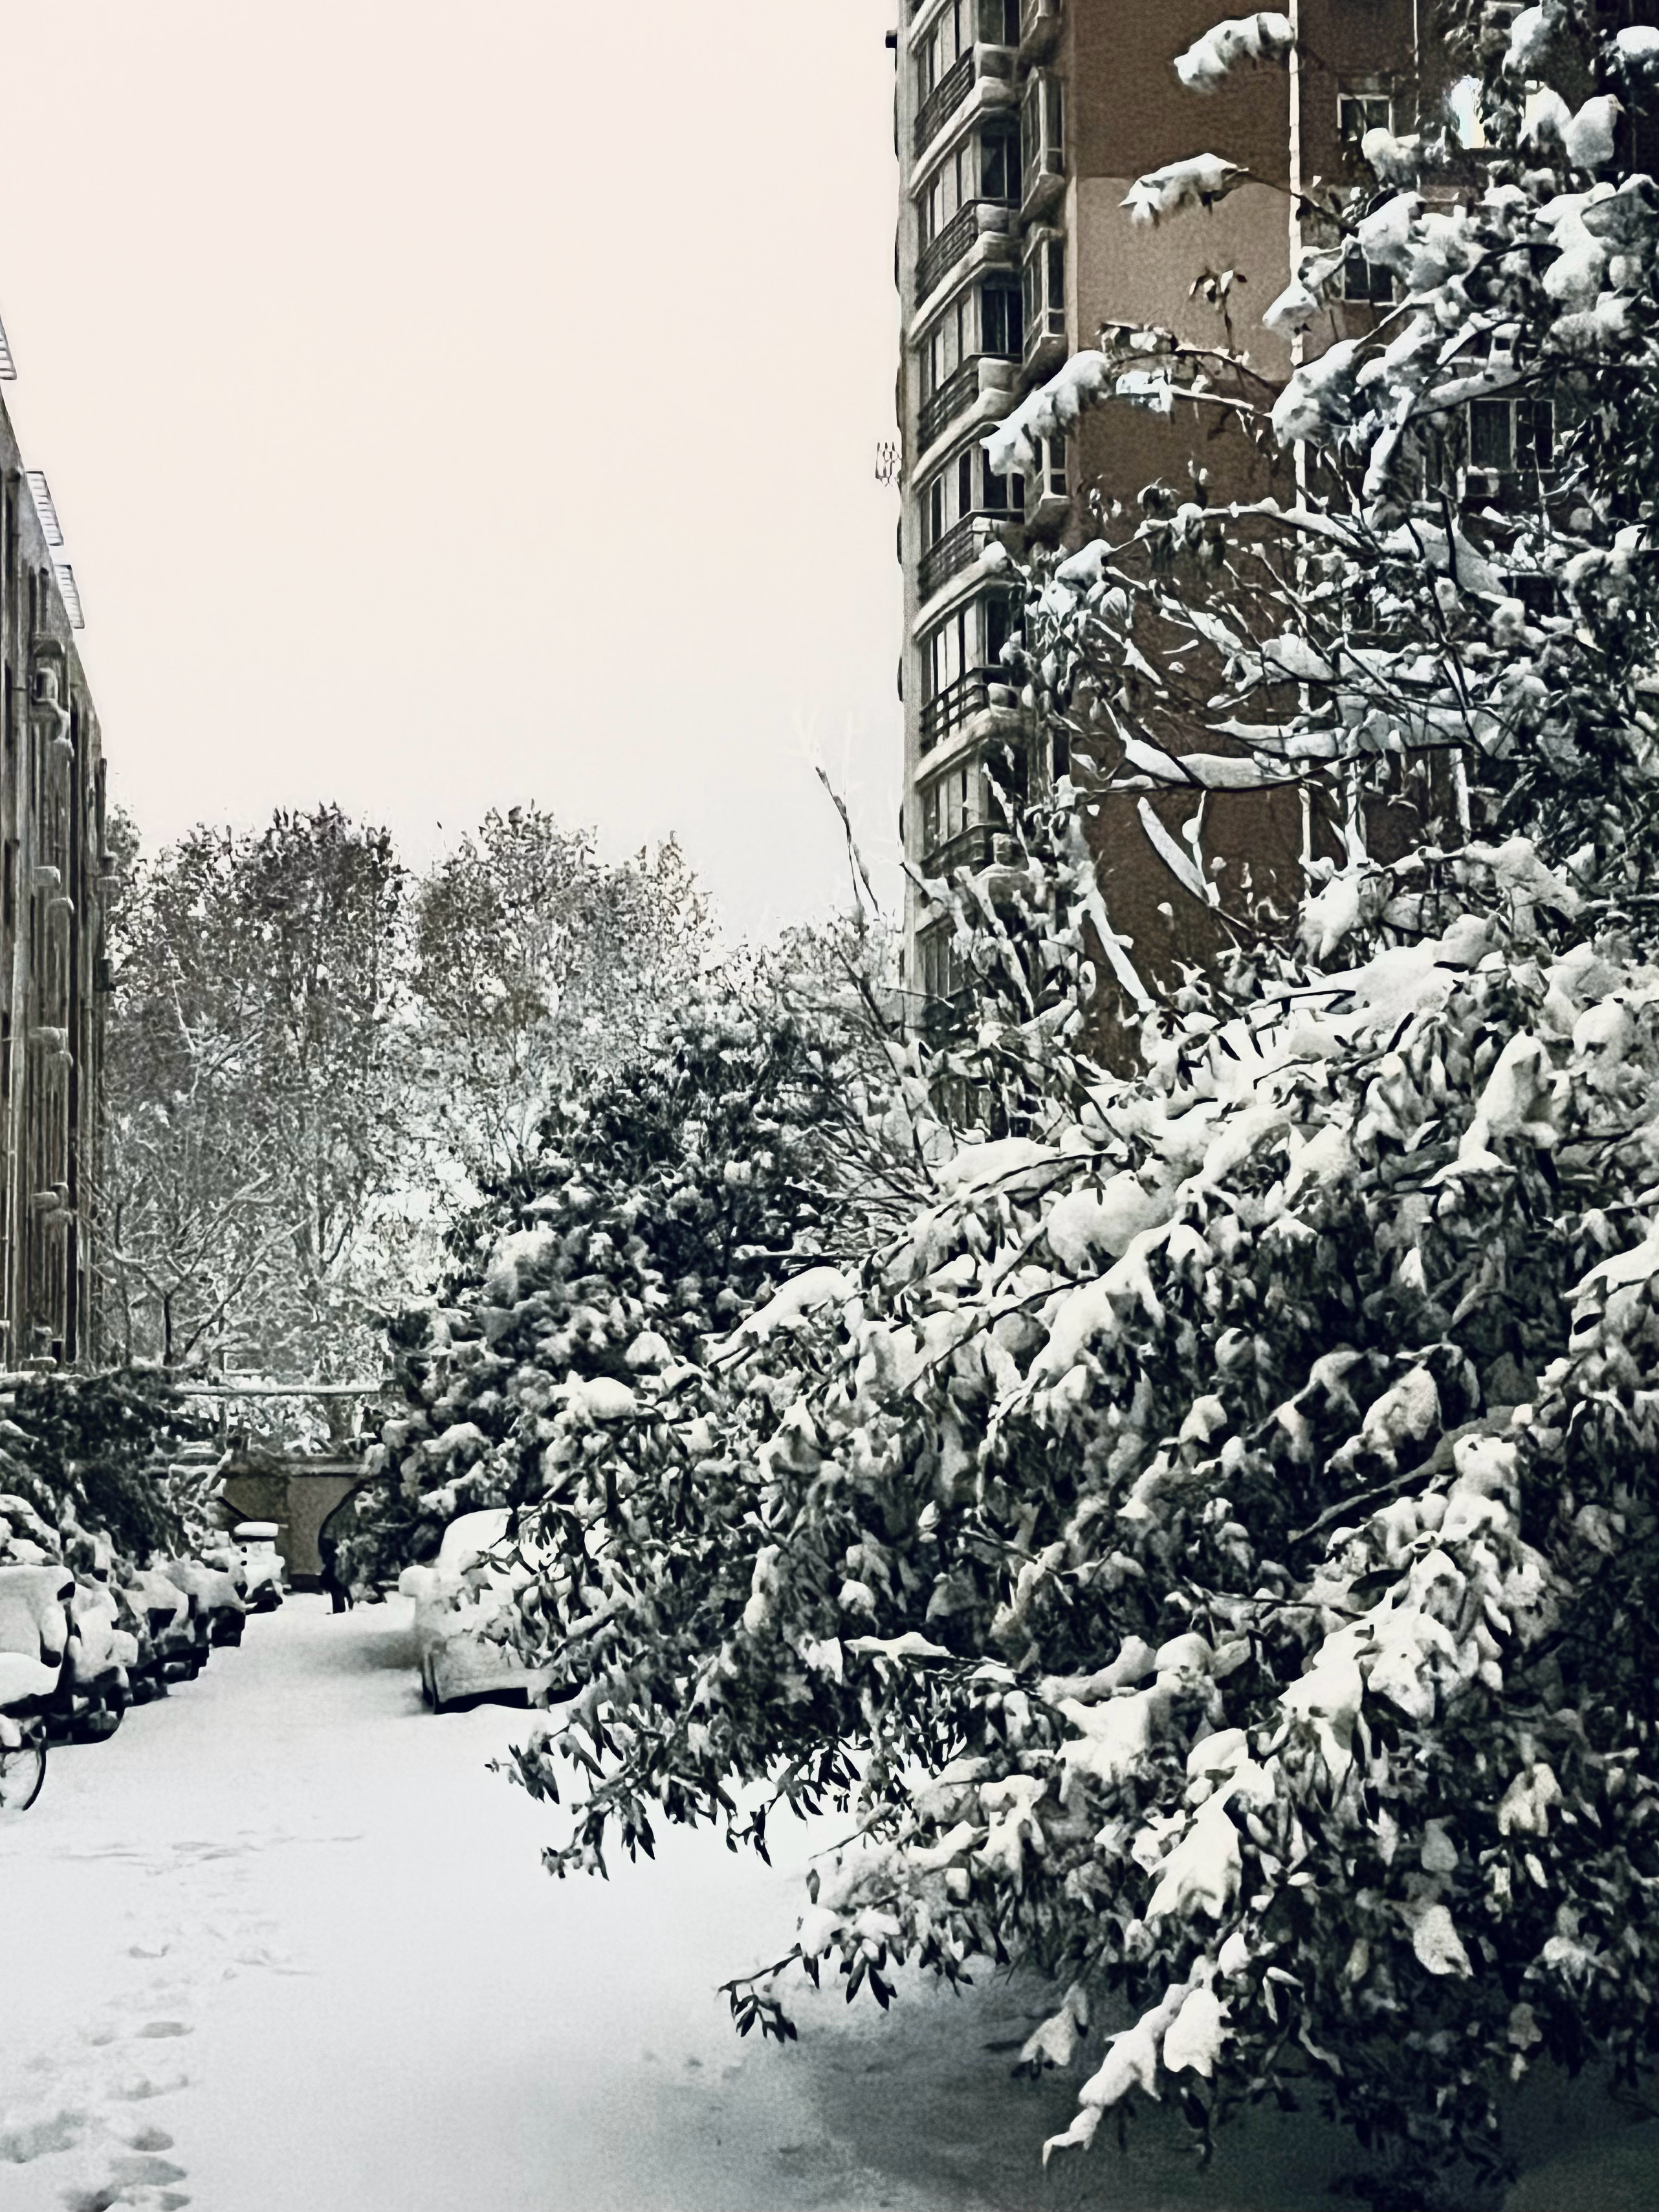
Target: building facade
x,y
52,970
1022,125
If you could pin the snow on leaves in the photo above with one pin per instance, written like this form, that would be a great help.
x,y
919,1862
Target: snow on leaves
x,y
1203,1529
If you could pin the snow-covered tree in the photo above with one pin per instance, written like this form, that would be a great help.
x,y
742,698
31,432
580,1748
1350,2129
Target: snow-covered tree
x,y
1212,1541
258,1096
533,958
743,1144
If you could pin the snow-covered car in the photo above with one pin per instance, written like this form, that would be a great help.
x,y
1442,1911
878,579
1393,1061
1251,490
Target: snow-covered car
x,y
172,1643
216,1602
464,1614
253,1563
35,1637
97,1685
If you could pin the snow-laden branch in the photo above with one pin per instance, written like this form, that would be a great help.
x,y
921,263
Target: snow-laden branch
x,y
1198,182
1241,39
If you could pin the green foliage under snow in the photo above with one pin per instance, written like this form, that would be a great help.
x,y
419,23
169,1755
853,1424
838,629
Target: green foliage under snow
x,y
1210,1540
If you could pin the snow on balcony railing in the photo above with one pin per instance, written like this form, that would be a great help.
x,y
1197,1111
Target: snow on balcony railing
x,y
958,549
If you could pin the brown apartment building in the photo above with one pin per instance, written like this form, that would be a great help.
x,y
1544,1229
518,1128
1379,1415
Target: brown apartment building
x,y
1022,125
52,961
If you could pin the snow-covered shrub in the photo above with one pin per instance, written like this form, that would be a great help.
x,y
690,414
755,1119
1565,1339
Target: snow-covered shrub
x,y
91,1455
95,1501
752,1138
1212,1542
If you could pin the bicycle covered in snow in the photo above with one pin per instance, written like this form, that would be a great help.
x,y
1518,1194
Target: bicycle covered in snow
x,y
35,1637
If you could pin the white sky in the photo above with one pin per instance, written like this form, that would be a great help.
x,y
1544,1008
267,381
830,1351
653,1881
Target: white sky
x,y
454,402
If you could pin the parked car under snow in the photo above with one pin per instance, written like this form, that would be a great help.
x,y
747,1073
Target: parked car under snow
x,y
464,1614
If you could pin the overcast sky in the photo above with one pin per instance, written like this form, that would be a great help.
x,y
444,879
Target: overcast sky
x,y
455,402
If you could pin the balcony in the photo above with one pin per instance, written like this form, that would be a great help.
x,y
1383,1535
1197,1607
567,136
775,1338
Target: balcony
x,y
958,391
970,848
1042,130
979,219
972,694
943,102
960,547
1039,29
993,375
1045,302
979,64
1045,342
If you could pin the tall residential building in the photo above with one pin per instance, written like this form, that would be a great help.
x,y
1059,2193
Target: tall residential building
x,y
1022,125
53,967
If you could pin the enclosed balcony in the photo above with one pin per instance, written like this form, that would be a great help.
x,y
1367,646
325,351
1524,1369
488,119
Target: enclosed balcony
x,y
1043,135
943,102
976,691
979,219
1039,29
958,549
1045,302
970,347
971,848
971,43
959,391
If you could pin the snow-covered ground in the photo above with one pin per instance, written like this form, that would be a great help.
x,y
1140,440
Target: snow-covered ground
x,y
285,1942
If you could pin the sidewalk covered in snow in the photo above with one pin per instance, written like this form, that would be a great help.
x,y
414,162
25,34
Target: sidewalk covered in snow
x,y
286,1943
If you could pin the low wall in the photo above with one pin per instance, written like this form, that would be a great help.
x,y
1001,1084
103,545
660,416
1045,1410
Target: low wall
x,y
298,1495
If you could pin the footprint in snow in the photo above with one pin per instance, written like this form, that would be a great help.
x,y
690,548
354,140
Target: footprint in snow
x,y
21,2146
143,2170
139,2088
123,2196
154,2030
148,2139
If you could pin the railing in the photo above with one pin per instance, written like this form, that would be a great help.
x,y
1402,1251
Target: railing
x,y
943,102
961,546
959,390
970,848
958,702
954,243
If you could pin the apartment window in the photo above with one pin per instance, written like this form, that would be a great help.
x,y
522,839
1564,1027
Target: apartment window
x,y
947,807
947,653
999,22
1365,280
947,192
1042,131
950,37
1051,452
1000,494
1506,435
971,636
1002,321
1356,113
1045,289
999,167
948,497
947,344
942,972
999,620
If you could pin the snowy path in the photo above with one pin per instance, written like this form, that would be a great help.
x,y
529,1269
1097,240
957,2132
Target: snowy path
x,y
284,1943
